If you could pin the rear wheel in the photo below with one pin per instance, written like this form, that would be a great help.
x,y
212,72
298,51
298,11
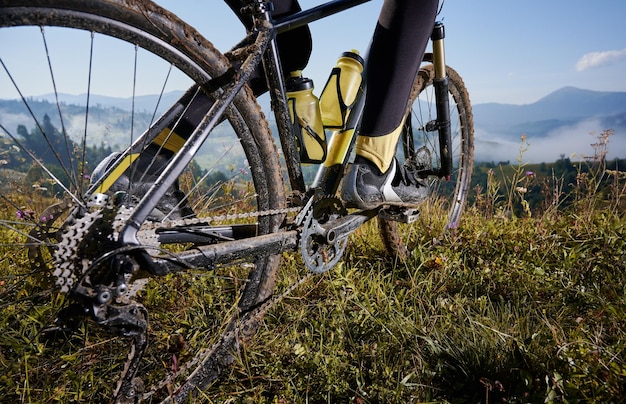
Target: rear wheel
x,y
420,148
58,120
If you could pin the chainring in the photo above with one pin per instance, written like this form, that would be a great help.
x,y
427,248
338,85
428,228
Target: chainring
x,y
318,253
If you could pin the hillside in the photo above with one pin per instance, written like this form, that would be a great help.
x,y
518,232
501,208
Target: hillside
x,y
562,107
557,124
107,123
110,123
500,310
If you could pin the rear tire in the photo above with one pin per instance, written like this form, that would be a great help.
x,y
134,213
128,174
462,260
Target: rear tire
x,y
30,298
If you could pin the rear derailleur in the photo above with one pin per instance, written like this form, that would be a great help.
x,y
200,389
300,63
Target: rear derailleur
x,y
97,274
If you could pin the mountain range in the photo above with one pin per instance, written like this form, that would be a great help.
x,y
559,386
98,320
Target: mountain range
x,y
564,122
142,103
566,106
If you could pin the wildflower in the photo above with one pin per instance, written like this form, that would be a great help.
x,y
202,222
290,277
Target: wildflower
x,y
174,363
523,137
529,173
24,214
521,190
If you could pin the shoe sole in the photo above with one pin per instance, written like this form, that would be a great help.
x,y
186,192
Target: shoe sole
x,y
383,204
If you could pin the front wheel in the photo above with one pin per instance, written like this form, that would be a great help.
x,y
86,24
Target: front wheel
x,y
420,147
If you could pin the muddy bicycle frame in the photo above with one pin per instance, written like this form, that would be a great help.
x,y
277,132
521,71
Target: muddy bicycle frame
x,y
259,47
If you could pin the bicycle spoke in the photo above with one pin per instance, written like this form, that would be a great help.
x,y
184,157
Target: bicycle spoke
x,y
80,251
84,138
71,173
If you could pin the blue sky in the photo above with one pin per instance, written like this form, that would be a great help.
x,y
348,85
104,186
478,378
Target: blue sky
x,y
507,51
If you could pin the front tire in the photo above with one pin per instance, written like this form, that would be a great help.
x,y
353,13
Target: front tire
x,y
423,145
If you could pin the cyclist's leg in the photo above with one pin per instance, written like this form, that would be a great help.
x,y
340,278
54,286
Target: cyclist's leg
x,y
398,45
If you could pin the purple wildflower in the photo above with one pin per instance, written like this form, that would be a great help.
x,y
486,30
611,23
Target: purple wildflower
x,y
24,214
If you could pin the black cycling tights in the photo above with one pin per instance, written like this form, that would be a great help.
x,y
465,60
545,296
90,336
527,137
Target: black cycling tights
x,y
397,49
398,46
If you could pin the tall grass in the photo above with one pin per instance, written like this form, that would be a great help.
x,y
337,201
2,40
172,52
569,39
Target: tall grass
x,y
515,305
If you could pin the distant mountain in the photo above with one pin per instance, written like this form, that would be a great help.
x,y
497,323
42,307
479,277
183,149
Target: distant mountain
x,y
557,124
110,123
142,103
566,106
107,124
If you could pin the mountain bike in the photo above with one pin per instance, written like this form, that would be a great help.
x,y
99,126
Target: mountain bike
x,y
99,242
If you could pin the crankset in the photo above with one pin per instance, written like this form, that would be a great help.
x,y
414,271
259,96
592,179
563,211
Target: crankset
x,y
320,253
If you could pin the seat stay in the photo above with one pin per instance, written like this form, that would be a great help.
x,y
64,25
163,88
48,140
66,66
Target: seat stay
x,y
180,160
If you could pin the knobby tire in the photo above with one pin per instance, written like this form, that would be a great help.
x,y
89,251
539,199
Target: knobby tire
x,y
398,238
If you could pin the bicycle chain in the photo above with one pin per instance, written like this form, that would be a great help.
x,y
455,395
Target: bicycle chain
x,y
69,266
147,235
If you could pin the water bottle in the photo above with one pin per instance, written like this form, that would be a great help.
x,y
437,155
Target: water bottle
x,y
341,89
304,108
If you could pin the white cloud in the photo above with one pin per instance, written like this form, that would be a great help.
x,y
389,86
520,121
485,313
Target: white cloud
x,y
598,59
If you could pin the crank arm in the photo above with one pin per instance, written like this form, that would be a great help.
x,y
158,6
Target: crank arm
x,y
344,226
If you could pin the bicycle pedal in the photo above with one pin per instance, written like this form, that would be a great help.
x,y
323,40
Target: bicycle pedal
x,y
402,215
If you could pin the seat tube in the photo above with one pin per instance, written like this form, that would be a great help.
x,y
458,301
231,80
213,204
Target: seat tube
x,y
441,85
274,75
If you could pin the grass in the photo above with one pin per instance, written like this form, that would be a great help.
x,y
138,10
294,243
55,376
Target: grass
x,y
515,308
520,311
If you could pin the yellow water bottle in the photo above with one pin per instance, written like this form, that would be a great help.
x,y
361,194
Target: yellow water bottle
x,y
341,89
304,108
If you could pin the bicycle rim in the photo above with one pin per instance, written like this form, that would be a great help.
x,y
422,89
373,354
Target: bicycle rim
x,y
51,143
422,147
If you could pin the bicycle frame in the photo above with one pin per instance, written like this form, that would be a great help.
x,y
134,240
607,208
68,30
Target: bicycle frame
x,y
260,47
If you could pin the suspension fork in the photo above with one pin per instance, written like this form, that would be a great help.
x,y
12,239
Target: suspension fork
x,y
441,86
